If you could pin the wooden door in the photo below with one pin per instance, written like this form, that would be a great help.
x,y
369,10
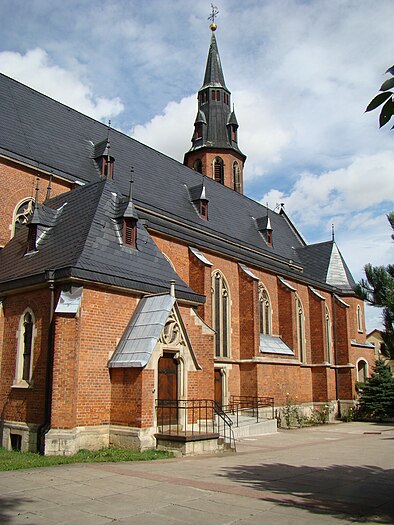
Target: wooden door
x,y
167,391
218,378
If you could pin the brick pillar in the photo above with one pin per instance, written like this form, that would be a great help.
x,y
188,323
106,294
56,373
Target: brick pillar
x,y
65,371
287,325
317,327
200,282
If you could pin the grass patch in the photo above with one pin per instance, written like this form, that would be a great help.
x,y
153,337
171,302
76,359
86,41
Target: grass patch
x,y
12,460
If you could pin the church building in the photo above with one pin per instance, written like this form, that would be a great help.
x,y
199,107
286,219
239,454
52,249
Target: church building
x,y
134,287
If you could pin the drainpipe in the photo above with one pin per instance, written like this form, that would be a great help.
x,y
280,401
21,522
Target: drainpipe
x,y
2,422
335,353
43,429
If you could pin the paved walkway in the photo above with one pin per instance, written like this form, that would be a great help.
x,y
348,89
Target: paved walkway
x,y
338,474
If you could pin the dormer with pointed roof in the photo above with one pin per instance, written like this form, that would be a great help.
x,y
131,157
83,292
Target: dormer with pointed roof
x,y
215,152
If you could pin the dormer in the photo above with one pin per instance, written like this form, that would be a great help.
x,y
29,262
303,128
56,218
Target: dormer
x,y
199,199
126,218
264,227
42,220
103,159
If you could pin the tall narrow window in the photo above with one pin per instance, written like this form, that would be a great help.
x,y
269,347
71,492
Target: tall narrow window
x,y
217,94
234,133
265,311
24,358
362,371
221,315
328,335
236,177
218,170
300,329
359,319
197,166
31,238
198,130
213,94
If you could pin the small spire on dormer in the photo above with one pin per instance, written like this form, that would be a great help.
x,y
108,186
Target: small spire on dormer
x,y
36,191
265,228
130,212
49,188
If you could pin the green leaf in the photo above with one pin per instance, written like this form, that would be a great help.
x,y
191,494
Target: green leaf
x,y
379,99
387,112
388,84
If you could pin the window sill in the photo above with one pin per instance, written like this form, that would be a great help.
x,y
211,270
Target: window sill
x,y
22,384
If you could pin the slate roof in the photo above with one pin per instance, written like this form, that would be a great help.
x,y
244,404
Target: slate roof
x,y
214,76
85,242
37,130
325,263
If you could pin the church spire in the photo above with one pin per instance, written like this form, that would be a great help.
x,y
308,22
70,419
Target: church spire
x,y
213,72
215,152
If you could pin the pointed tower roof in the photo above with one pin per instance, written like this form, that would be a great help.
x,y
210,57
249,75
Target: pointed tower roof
x,y
214,112
213,72
325,263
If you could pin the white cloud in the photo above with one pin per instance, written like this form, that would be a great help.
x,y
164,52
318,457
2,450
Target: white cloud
x,y
364,183
170,131
35,69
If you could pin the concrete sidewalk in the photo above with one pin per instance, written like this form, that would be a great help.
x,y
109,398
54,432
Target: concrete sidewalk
x,y
341,473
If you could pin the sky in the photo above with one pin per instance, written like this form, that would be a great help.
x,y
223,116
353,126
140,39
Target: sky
x,y
301,73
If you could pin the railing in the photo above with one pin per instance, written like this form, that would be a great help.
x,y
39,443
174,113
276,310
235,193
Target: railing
x,y
193,417
256,407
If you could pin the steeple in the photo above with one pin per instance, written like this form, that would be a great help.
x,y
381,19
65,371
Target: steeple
x,y
213,72
215,152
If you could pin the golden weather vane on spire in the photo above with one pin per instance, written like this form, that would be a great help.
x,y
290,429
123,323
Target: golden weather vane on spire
x,y
212,17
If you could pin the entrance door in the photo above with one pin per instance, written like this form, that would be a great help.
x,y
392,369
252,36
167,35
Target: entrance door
x,y
218,378
167,413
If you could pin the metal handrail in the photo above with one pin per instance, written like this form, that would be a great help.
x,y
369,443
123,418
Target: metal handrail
x,y
192,417
239,404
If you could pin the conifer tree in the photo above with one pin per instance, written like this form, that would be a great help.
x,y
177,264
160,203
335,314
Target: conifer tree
x,y
377,393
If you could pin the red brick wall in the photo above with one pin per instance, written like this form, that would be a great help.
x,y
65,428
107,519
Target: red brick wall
x,y
248,316
207,159
25,404
277,380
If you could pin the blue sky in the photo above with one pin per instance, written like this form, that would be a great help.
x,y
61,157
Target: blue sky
x,y
301,74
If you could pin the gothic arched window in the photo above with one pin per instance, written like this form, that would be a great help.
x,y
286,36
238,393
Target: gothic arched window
x,y
327,319
359,319
197,166
362,371
265,311
24,358
22,213
236,177
218,170
300,329
221,314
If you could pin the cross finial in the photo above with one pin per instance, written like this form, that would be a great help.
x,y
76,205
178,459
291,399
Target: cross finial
x,y
212,16
333,232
